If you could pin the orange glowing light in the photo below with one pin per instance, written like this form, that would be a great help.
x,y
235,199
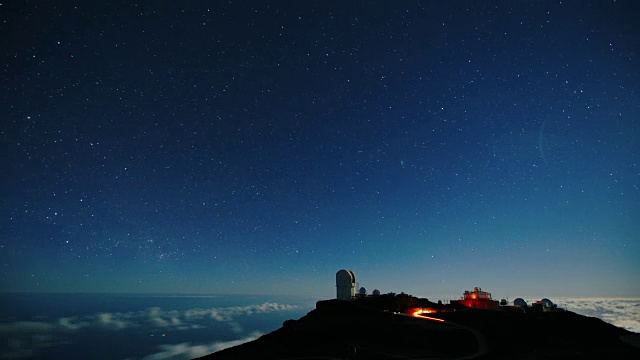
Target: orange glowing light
x,y
419,312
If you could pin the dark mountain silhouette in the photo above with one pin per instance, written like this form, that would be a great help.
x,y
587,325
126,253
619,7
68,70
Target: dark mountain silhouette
x,y
382,328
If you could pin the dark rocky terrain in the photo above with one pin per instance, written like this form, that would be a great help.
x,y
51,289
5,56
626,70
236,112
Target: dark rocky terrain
x,y
371,329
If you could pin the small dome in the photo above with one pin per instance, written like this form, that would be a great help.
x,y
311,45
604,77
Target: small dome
x,y
546,303
376,292
362,291
520,302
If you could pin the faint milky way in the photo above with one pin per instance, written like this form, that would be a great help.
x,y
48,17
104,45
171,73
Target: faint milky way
x,y
249,147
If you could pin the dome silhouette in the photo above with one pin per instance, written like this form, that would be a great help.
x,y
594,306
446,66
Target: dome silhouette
x,y
520,302
546,303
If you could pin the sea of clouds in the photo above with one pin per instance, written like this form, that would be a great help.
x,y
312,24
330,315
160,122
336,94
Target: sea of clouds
x,y
28,339
187,351
624,313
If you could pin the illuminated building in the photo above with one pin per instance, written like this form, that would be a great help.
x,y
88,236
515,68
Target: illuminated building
x,y
477,299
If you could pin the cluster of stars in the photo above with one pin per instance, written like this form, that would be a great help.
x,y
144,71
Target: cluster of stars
x,y
193,141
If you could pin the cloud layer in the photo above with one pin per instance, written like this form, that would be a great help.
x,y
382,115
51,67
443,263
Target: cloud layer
x,y
153,316
25,338
624,313
187,351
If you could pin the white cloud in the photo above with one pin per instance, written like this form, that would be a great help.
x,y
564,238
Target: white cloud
x,y
71,323
155,317
227,314
187,351
111,321
221,345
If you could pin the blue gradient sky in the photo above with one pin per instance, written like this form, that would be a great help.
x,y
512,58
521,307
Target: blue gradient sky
x,y
258,148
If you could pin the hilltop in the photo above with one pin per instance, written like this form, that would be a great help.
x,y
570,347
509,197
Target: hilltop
x,y
383,328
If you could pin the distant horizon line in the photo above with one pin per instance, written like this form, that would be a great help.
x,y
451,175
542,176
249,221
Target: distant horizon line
x,y
319,298
163,294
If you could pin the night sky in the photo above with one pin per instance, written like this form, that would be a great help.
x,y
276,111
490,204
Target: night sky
x,y
259,147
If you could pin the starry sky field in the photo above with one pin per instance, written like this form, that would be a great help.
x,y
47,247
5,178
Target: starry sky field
x,y
254,147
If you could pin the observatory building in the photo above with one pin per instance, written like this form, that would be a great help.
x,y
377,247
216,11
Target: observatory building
x,y
544,305
520,302
477,299
345,285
